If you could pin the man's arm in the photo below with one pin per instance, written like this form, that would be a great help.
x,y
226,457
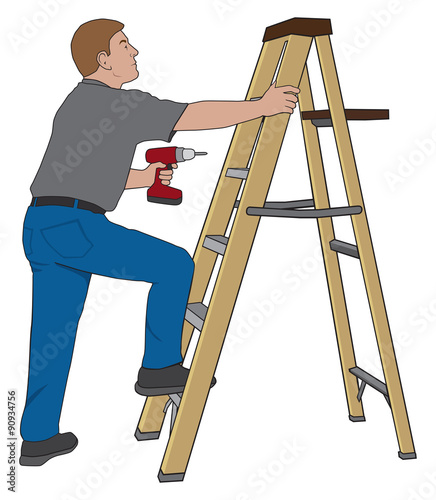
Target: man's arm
x,y
207,115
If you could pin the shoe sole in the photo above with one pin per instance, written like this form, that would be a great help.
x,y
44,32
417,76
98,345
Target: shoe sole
x,y
158,391
42,459
162,391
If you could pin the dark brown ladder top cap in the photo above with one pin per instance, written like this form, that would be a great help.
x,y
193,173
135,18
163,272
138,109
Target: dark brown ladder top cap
x,y
298,26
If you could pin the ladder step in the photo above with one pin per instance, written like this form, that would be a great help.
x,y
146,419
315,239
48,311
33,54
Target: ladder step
x,y
196,314
345,248
369,379
216,243
322,118
286,204
237,173
289,204
304,214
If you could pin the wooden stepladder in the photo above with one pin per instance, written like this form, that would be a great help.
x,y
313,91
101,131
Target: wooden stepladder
x,y
284,53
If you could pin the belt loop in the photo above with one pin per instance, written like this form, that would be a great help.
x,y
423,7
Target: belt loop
x,y
76,202
34,202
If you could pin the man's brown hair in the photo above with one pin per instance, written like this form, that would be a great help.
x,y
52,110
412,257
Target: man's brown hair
x,y
89,40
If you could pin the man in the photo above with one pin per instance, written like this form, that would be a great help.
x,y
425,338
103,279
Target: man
x,y
67,238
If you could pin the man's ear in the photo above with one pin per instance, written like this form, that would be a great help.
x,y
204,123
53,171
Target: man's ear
x,y
103,60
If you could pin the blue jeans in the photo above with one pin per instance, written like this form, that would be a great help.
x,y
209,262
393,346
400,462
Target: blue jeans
x,y
65,246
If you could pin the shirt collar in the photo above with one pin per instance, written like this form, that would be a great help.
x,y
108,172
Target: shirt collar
x,y
89,81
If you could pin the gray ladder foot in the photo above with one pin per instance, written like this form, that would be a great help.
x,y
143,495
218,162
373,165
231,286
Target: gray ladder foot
x,y
360,418
146,436
407,456
167,478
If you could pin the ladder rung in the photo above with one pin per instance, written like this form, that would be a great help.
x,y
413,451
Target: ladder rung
x,y
369,379
285,204
237,173
345,248
216,243
304,214
322,118
196,314
289,204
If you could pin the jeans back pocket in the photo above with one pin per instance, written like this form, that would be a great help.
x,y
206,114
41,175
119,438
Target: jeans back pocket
x,y
67,239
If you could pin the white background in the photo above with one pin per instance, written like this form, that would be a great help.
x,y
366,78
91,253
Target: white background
x,y
279,381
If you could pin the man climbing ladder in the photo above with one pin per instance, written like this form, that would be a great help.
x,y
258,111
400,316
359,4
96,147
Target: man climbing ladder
x,y
67,237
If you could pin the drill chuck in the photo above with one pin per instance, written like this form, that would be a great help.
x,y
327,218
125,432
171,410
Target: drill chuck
x,y
183,154
171,155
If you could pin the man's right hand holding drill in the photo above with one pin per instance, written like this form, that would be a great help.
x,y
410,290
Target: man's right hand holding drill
x,y
146,177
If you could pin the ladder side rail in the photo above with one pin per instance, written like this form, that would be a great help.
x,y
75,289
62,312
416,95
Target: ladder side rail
x,y
365,247
231,272
331,261
217,219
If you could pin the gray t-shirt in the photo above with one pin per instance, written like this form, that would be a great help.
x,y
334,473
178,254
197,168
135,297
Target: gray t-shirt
x,y
95,133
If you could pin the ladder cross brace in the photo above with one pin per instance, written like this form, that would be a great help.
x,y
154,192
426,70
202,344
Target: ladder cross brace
x,y
372,381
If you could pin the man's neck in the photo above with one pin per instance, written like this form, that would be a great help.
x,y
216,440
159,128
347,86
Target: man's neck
x,y
106,77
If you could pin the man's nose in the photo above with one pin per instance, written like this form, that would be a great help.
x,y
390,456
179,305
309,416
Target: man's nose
x,y
134,51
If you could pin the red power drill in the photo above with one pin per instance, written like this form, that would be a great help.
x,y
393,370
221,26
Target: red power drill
x,y
158,192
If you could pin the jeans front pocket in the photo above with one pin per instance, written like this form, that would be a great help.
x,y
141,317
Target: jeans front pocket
x,y
67,239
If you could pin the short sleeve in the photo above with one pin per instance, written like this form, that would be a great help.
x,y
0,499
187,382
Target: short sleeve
x,y
150,118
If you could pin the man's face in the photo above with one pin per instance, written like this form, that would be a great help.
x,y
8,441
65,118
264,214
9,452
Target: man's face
x,y
121,58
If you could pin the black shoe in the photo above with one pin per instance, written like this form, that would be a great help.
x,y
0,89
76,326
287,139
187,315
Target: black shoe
x,y
158,382
38,452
